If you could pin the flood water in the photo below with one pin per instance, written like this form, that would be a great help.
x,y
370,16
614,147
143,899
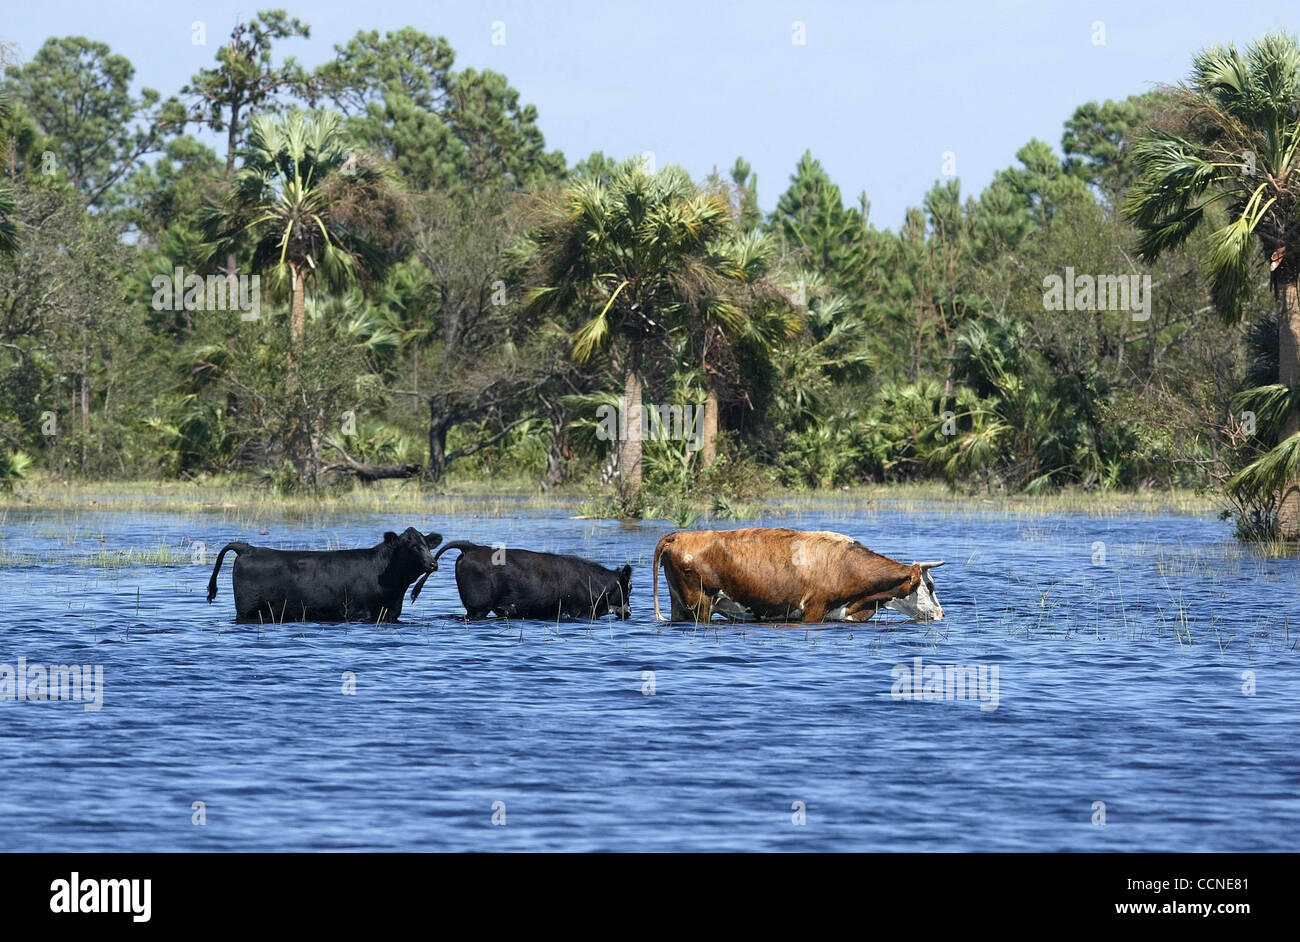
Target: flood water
x,y
1139,689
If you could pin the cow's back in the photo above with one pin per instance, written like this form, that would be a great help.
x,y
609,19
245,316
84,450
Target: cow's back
x,y
773,571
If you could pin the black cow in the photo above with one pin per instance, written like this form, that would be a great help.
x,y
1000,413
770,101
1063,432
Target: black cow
x,y
338,585
522,584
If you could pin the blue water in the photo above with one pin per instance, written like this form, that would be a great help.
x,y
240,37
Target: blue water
x,y
1122,680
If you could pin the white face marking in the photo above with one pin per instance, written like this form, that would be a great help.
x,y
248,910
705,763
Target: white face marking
x,y
922,604
840,614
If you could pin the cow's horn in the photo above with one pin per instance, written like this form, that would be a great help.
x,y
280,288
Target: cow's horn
x,y
932,565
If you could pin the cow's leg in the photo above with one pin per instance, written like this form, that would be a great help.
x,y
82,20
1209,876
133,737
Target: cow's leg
x,y
699,606
702,611
477,592
814,611
683,601
861,611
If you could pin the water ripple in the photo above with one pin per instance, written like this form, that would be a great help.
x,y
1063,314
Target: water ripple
x,y
1159,687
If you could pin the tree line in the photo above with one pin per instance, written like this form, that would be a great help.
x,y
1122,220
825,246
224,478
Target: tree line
x,y
438,295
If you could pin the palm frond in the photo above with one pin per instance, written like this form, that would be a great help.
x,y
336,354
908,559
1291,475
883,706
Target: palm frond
x,y
1272,472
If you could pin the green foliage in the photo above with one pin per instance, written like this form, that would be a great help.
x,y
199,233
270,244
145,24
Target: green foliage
x,y
811,220
309,205
246,79
1238,148
8,227
1098,140
1041,184
627,252
440,128
14,466
1271,472
1230,160
192,434
440,290
79,94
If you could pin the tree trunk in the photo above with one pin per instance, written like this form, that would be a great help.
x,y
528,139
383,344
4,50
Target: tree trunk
x,y
85,425
297,306
231,134
554,474
559,449
630,448
952,364
708,425
297,438
415,367
85,408
439,423
1288,374
709,422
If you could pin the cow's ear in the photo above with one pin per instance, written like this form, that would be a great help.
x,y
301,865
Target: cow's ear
x,y
432,539
390,537
626,572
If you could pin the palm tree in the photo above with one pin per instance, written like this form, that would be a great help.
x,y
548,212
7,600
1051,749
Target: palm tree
x,y
629,255
1235,162
313,208
750,307
314,211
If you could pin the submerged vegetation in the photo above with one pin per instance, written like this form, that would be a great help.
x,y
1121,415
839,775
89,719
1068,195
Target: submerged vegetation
x,y
445,312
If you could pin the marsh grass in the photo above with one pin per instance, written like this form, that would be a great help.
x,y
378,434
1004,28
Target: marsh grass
x,y
253,503
104,557
1148,592
935,496
250,505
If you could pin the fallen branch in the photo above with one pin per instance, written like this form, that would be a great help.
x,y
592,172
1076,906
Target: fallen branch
x,y
368,473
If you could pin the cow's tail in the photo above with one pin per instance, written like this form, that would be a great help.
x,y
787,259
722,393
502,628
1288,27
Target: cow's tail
x,y
461,545
212,583
654,571
419,584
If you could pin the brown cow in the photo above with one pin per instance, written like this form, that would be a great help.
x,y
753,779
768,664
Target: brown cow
x,y
770,574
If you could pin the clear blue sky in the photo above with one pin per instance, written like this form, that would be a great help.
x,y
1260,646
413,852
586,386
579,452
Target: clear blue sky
x,y
878,92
